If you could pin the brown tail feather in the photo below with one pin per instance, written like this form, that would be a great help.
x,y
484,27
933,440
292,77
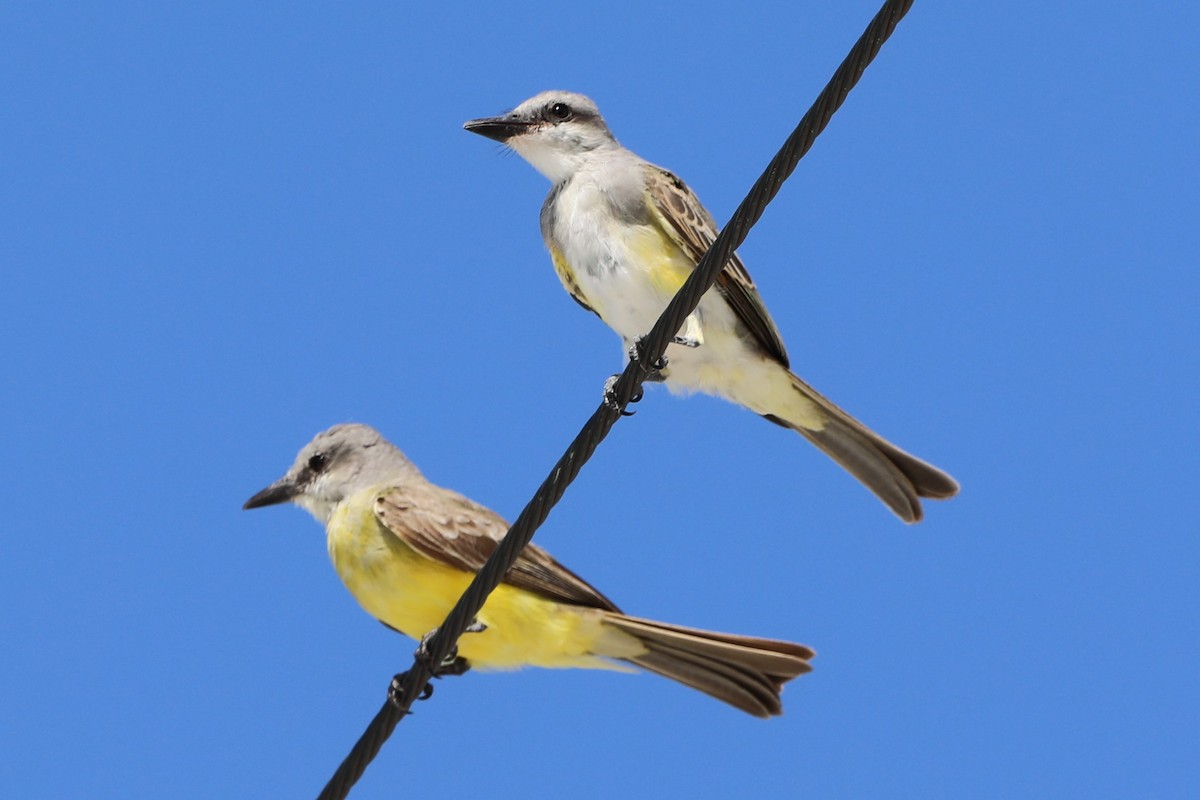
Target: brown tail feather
x,y
744,671
898,478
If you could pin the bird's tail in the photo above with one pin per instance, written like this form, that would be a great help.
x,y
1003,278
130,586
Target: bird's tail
x,y
744,671
896,477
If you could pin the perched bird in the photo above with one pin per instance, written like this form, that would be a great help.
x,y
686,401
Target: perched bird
x,y
624,235
406,549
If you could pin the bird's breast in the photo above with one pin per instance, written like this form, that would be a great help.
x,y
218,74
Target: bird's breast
x,y
389,580
622,262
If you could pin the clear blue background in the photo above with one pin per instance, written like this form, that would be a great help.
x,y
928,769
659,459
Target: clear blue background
x,y
226,226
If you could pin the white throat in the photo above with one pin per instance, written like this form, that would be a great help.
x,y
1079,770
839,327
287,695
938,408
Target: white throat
x,y
558,153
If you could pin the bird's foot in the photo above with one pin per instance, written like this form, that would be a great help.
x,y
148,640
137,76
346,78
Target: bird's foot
x,y
396,690
655,371
453,663
610,396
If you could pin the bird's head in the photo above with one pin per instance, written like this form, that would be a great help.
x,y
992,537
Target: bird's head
x,y
336,464
554,131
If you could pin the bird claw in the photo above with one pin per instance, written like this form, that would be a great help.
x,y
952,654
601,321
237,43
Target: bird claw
x,y
451,667
685,341
654,370
452,664
395,693
610,396
423,655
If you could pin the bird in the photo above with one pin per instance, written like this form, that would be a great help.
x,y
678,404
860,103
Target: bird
x,y
623,236
406,549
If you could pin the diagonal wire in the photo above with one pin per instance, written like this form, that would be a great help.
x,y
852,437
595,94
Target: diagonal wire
x,y
408,686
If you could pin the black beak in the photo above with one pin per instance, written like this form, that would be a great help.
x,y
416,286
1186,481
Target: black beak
x,y
499,128
281,491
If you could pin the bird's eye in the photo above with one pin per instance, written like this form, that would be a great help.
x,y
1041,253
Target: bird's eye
x,y
560,111
318,462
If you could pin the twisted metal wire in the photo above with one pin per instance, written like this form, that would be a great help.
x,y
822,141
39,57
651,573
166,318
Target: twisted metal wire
x,y
408,686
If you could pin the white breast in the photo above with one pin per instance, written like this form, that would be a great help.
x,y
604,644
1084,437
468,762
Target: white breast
x,y
607,254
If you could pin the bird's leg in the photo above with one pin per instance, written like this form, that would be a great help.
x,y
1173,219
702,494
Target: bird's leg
x,y
691,335
656,371
610,396
453,663
396,690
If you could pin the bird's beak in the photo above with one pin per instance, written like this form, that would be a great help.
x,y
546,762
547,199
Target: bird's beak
x,y
499,128
281,491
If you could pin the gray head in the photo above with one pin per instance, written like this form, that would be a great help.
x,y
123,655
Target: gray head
x,y
336,464
554,131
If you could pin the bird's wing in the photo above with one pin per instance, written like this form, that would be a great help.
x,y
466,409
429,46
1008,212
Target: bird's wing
x,y
679,213
446,527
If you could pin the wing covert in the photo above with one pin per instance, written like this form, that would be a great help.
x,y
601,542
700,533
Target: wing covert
x,y
451,529
682,217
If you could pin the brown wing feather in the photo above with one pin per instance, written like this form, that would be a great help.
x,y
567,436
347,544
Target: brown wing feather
x,y
685,220
446,527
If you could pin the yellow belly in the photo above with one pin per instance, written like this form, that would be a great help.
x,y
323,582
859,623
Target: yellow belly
x,y
413,594
666,266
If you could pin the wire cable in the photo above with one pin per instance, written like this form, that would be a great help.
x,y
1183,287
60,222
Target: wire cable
x,y
407,687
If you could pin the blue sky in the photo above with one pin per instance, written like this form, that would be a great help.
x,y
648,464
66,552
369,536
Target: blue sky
x,y
224,228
